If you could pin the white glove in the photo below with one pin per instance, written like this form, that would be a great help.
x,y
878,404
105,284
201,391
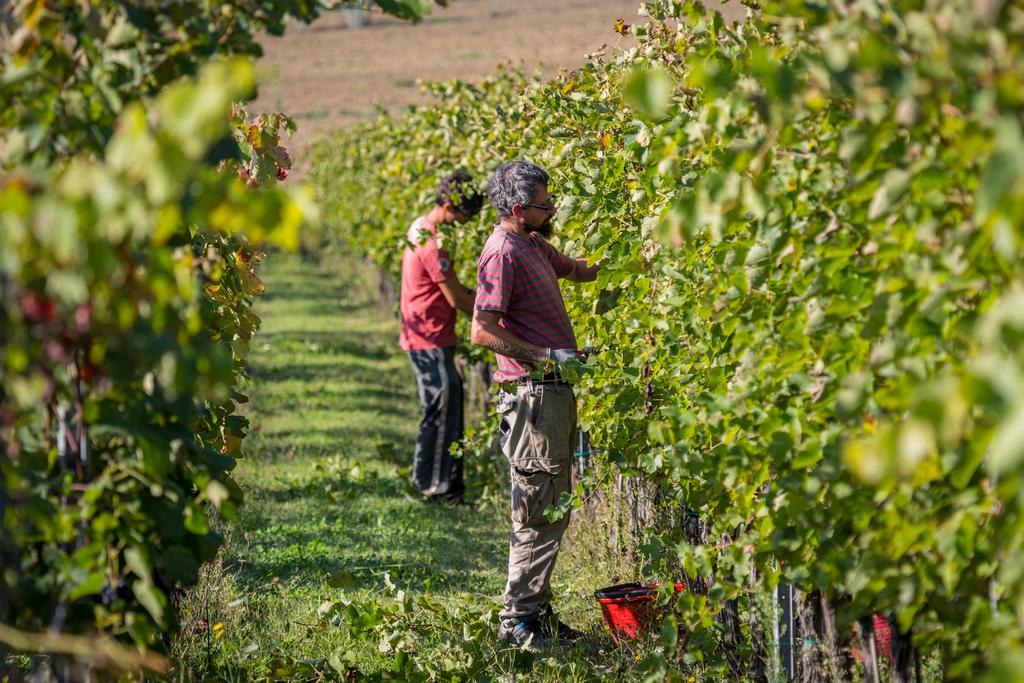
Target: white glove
x,y
562,355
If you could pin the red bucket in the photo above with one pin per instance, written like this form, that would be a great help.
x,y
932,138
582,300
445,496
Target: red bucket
x,y
628,608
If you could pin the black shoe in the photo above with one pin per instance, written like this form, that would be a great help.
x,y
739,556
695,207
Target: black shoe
x,y
410,491
525,635
451,500
553,627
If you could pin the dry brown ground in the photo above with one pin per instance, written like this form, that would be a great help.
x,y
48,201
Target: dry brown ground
x,y
329,75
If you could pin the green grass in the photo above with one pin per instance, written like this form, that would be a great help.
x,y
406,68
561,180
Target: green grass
x,y
328,520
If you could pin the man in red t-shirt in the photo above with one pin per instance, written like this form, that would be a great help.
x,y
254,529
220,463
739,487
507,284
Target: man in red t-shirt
x,y
520,316
431,293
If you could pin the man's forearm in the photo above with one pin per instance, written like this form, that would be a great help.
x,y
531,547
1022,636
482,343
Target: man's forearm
x,y
470,299
501,341
464,300
583,273
458,295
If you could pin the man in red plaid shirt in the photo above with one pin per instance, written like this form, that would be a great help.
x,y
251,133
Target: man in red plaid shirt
x,y
519,314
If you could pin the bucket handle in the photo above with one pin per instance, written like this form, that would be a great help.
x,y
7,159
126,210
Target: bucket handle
x,y
622,590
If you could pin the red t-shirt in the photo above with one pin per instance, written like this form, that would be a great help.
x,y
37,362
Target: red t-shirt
x,y
428,320
519,277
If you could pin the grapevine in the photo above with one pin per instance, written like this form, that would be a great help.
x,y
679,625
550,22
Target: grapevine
x,y
136,197
809,311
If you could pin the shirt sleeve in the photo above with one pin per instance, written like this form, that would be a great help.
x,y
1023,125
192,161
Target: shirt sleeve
x,y
437,262
495,277
562,264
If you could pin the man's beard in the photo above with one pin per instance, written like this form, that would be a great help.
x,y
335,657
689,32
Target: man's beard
x,y
545,229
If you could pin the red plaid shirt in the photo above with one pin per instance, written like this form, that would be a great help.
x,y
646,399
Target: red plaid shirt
x,y
519,278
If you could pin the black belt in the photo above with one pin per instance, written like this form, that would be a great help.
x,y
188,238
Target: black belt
x,y
548,378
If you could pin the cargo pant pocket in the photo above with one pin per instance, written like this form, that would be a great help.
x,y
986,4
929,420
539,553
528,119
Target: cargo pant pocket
x,y
506,419
533,491
553,430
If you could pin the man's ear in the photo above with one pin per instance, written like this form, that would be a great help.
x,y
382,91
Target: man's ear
x,y
450,211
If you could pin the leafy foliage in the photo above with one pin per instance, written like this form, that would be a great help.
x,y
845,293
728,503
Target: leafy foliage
x,y
135,197
126,304
71,67
809,311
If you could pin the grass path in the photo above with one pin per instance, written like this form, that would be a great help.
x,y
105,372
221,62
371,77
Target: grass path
x,y
335,405
327,518
333,412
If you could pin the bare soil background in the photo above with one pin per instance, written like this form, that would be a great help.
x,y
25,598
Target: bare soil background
x,y
327,74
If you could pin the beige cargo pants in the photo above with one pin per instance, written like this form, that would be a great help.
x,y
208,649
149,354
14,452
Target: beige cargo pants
x,y
538,429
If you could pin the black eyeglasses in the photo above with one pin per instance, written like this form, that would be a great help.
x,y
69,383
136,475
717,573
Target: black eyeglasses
x,y
543,207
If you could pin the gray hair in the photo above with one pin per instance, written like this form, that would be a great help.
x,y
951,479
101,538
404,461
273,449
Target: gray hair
x,y
515,183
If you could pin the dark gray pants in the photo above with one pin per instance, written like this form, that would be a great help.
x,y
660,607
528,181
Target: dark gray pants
x,y
434,471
